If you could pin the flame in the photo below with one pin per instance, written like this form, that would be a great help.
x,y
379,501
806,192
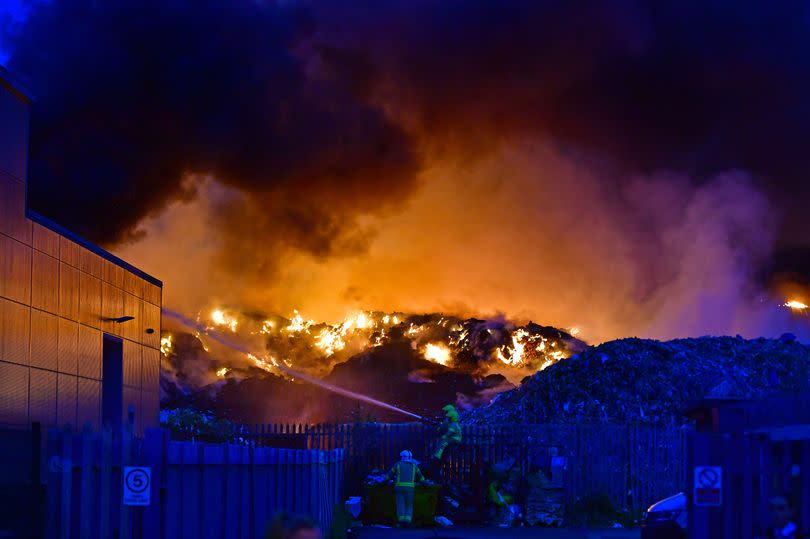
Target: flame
x,y
330,340
795,305
298,323
379,339
574,331
222,372
459,338
361,321
166,345
441,339
269,366
220,318
514,355
267,327
438,353
358,321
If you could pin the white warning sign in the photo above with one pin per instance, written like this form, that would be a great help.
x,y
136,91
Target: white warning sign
x,y
137,483
708,486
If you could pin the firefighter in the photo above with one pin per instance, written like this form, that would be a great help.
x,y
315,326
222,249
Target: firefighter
x,y
500,493
451,431
405,474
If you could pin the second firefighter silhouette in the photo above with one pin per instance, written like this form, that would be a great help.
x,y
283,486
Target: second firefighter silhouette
x,y
405,474
450,431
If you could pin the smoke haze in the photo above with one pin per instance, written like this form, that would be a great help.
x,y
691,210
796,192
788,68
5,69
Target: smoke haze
x,y
630,169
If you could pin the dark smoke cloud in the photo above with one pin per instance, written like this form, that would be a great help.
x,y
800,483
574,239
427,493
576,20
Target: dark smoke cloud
x,y
134,96
700,87
319,113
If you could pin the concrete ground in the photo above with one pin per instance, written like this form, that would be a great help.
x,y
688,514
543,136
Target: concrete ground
x,y
494,533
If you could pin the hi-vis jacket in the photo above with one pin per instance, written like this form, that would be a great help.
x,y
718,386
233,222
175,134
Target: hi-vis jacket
x,y
406,474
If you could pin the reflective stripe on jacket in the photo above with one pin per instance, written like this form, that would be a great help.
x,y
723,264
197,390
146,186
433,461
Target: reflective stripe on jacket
x,y
406,474
454,432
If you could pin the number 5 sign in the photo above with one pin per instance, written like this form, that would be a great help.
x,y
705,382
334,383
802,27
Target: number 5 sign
x,y
137,480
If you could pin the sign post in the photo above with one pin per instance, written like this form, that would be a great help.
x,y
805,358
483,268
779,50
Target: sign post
x,y
137,483
708,486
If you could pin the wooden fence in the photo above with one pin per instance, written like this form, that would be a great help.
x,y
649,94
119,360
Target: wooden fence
x,y
633,465
198,490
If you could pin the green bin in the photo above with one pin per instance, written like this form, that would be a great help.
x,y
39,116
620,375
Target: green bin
x,y
379,506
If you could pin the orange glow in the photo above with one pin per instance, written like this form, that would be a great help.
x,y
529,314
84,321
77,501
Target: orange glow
x,y
166,345
221,318
298,323
438,353
795,305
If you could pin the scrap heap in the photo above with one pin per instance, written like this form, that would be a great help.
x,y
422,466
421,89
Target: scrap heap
x,y
650,381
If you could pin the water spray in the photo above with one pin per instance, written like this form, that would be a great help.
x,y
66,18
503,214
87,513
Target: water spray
x,y
237,346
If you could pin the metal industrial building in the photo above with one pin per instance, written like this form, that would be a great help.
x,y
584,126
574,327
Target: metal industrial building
x,y
79,328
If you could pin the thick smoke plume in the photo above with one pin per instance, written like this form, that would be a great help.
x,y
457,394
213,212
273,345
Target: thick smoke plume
x,y
630,168
134,97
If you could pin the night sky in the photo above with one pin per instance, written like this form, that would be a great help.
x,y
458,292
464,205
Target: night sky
x,y
638,167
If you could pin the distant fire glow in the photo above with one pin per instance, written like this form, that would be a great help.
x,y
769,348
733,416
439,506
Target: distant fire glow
x,y
315,347
795,305
166,345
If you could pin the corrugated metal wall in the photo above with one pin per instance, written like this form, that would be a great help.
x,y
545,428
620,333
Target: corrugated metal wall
x,y
54,294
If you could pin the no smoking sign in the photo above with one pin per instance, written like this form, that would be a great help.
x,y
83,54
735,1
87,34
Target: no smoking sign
x,y
137,480
708,486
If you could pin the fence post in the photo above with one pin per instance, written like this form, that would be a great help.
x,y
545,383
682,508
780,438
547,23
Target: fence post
x,y
67,476
51,523
86,497
804,467
200,494
155,456
36,479
223,529
251,493
104,481
125,531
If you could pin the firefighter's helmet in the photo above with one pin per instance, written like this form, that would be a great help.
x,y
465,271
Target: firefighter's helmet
x,y
450,412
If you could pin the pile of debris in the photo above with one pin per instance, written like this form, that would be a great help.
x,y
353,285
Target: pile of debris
x,y
650,381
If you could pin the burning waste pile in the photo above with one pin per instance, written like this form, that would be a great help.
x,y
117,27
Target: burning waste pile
x,y
419,362
651,381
